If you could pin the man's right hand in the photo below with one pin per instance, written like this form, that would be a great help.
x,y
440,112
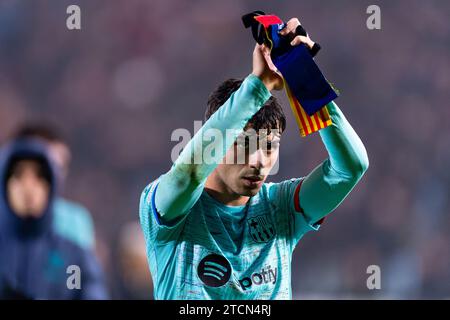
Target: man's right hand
x,y
265,70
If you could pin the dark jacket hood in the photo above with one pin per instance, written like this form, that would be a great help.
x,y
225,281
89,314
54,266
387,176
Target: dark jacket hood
x,y
10,222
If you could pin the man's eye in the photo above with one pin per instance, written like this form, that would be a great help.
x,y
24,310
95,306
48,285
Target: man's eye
x,y
16,175
243,142
247,142
270,146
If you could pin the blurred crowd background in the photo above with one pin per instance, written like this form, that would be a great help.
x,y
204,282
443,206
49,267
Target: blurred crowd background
x,y
138,69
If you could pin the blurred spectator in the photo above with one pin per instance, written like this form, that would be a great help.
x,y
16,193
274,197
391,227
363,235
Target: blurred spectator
x,y
71,219
35,260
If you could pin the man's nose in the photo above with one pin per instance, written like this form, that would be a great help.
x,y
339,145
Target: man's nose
x,y
259,159
29,182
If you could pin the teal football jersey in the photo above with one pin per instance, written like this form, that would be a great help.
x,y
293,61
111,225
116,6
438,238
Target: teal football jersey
x,y
224,252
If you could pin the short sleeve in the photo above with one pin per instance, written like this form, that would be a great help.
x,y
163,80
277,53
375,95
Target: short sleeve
x,y
286,196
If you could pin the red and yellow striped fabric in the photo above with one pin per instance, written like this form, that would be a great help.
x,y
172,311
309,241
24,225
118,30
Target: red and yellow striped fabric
x,y
308,124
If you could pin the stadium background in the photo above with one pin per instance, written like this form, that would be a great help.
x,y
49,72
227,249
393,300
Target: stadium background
x,y
140,69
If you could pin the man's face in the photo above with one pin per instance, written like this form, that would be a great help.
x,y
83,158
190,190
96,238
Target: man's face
x,y
248,163
27,189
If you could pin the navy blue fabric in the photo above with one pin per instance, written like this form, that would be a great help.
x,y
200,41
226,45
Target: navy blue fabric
x,y
301,73
33,258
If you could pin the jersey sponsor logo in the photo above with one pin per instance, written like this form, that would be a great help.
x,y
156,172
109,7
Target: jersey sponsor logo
x,y
261,228
214,270
266,275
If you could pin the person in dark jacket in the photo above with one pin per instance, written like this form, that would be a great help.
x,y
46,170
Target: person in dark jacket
x,y
70,219
35,261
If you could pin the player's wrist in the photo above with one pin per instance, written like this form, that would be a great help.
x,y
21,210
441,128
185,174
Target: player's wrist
x,y
268,83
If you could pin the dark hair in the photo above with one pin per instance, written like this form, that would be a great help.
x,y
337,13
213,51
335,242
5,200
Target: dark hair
x,y
42,131
270,116
43,166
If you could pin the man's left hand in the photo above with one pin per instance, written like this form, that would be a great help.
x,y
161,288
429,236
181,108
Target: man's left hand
x,y
291,27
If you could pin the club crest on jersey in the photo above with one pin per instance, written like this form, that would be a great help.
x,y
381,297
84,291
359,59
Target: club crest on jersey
x,y
261,228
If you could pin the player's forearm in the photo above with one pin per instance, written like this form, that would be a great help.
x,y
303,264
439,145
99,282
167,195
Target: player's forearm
x,y
328,185
180,188
346,151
